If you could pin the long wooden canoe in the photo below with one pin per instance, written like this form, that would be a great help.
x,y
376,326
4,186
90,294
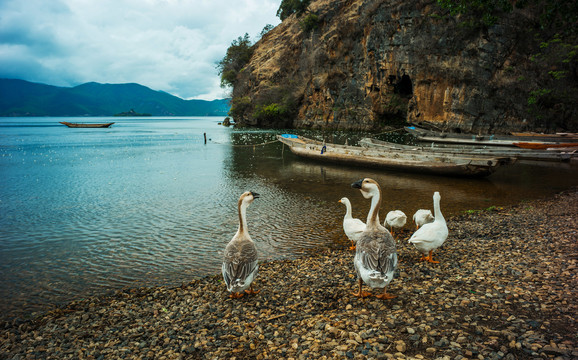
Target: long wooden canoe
x,y
556,136
531,145
438,164
491,140
471,150
86,125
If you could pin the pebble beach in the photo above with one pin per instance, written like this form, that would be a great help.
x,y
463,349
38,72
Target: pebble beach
x,y
505,288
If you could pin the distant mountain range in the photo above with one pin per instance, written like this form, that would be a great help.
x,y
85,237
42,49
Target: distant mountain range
x,y
23,98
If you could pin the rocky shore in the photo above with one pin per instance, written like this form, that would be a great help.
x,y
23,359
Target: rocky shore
x,y
505,288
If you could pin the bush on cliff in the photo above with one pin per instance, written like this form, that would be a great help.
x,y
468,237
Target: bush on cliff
x,y
238,55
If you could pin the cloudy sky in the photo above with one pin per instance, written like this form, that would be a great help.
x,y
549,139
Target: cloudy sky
x,y
168,45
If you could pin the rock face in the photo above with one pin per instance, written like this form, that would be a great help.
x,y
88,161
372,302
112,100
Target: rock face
x,y
376,64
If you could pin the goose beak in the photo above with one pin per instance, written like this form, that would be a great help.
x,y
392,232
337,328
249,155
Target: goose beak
x,y
255,195
357,184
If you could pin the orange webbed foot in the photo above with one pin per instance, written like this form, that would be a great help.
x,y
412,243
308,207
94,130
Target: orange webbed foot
x,y
361,294
251,291
236,295
385,296
430,258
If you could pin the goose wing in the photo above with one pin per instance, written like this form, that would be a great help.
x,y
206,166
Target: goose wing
x,y
353,228
378,252
430,234
240,261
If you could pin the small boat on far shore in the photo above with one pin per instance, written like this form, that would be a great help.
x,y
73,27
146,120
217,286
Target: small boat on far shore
x,y
86,125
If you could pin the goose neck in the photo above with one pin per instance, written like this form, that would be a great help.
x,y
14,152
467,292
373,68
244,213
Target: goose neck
x,y
373,216
242,218
348,213
438,211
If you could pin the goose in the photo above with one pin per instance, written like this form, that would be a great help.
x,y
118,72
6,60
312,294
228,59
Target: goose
x,y
395,219
421,217
432,235
240,260
375,258
352,227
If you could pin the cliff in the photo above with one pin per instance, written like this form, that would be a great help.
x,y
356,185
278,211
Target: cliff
x,y
373,65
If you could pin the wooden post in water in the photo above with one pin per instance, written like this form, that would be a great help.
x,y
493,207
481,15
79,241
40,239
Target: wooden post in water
x,y
205,135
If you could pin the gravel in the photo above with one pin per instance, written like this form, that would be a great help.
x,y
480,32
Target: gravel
x,y
505,288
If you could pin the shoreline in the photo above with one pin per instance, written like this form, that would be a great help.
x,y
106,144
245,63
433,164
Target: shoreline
x,y
504,288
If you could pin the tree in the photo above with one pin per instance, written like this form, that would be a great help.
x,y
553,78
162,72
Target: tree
x,y
290,7
266,29
238,55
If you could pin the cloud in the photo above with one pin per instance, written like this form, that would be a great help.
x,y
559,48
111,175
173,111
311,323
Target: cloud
x,y
168,45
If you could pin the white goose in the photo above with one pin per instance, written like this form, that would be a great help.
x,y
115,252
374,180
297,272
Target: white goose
x,y
375,257
240,261
421,217
432,235
395,219
352,227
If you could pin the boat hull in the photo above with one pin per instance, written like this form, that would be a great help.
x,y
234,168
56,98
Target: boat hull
x,y
491,140
393,160
86,125
469,150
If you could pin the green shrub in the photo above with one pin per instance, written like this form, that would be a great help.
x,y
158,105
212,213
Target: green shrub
x,y
309,23
239,106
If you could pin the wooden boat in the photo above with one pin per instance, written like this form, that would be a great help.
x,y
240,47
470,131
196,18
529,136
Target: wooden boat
x,y
439,164
491,140
86,125
556,136
543,146
469,150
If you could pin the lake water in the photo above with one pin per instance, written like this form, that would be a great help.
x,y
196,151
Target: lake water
x,y
146,202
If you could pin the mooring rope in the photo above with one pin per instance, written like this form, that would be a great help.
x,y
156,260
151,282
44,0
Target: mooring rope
x,y
390,131
262,144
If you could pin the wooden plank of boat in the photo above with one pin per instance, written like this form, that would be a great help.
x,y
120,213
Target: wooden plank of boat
x,y
543,146
439,164
86,125
469,150
491,140
557,136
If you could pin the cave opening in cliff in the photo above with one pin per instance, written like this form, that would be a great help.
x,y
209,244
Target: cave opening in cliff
x,y
404,86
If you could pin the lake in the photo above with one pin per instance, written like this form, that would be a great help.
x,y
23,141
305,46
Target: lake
x,y
146,202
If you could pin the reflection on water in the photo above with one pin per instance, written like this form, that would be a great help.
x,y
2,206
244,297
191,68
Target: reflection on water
x,y
147,202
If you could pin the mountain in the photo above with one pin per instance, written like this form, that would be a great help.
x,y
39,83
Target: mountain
x,y
23,98
376,65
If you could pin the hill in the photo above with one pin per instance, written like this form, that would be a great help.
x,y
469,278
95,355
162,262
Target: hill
x,y
374,65
23,98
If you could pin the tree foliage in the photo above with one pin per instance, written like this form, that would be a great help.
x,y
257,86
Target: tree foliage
x,y
238,55
309,22
290,7
556,56
266,29
477,12
559,14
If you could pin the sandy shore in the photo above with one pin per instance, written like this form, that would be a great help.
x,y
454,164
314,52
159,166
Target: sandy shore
x,y
505,288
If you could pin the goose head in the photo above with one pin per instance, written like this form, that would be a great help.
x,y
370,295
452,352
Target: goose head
x,y
368,187
344,201
247,198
